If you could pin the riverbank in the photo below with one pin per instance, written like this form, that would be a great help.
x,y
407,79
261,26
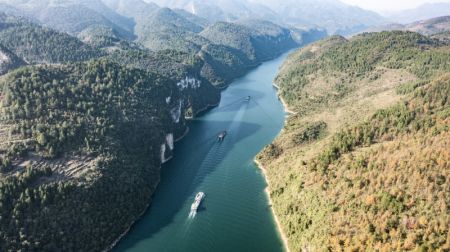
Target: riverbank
x,y
114,244
277,221
285,105
266,177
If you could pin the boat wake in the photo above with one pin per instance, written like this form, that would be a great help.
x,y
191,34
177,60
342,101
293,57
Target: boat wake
x,y
192,214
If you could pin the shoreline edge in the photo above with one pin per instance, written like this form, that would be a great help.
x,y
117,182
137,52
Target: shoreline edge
x,y
283,236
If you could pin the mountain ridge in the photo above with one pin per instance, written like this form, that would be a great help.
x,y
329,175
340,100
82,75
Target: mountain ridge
x,y
423,12
341,18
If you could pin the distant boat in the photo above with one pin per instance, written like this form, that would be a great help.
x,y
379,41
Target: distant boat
x,y
248,98
222,136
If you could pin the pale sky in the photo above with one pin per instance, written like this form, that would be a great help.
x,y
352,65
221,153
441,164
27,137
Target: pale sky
x,y
390,5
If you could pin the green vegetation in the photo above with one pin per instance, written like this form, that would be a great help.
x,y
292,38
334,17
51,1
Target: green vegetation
x,y
77,105
228,49
164,29
8,60
432,26
235,48
100,37
258,40
232,35
349,62
36,44
223,64
311,132
71,16
170,63
377,178
176,66
117,117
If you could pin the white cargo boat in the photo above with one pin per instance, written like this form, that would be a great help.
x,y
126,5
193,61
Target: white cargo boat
x,y
198,200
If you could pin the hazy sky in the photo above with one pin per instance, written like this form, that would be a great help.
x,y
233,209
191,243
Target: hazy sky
x,y
390,5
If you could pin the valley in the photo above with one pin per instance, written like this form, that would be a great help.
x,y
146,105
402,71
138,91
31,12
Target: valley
x,y
115,114
235,207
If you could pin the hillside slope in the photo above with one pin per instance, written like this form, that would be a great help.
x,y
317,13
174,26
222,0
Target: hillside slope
x,y
425,27
185,69
36,44
76,141
334,16
258,40
78,138
71,16
431,26
8,60
363,164
422,12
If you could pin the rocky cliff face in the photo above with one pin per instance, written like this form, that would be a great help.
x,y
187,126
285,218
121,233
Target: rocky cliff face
x,y
8,60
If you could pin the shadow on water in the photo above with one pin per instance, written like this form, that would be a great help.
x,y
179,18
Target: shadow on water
x,y
254,103
201,209
182,175
234,105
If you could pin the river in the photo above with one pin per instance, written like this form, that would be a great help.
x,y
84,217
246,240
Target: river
x,y
235,215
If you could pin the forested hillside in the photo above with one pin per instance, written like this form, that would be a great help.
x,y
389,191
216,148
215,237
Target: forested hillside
x,y
71,16
8,60
79,138
186,69
71,132
363,164
258,40
36,44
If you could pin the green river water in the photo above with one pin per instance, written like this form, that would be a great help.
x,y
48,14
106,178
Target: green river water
x,y
235,215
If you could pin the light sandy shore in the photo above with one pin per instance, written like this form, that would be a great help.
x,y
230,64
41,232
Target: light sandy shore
x,y
285,105
277,221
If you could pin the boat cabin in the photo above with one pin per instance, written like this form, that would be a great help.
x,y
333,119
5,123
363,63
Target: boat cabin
x,y
222,136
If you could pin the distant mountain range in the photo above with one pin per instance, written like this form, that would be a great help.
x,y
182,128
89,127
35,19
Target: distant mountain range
x,y
423,12
426,27
71,16
221,10
228,48
332,15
